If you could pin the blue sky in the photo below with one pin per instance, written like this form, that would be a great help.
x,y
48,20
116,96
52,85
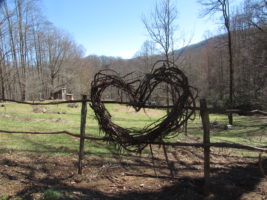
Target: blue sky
x,y
115,28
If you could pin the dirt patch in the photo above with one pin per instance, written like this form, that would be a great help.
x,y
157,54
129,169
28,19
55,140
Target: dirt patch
x,y
132,177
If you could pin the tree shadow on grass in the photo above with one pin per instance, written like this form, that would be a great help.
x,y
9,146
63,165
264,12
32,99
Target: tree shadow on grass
x,y
226,183
230,184
239,180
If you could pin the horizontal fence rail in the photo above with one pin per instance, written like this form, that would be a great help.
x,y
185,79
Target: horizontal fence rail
x,y
174,144
88,100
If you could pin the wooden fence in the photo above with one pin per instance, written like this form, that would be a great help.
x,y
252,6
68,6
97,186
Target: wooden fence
x,y
206,144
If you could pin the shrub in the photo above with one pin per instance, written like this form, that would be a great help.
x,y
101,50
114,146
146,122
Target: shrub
x,y
246,103
242,102
73,105
39,109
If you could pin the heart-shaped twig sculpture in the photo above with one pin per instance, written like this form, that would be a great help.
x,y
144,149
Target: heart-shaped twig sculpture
x,y
183,108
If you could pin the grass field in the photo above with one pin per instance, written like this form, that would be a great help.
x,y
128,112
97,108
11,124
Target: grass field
x,y
18,117
44,166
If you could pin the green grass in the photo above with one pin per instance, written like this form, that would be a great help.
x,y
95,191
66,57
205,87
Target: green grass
x,y
19,117
4,197
52,195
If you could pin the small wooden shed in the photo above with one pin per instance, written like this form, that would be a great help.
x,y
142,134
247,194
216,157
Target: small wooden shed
x,y
63,95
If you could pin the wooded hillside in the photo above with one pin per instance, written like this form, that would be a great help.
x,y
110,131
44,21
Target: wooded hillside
x,y
37,59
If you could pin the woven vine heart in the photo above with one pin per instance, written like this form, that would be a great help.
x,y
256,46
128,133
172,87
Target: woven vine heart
x,y
182,96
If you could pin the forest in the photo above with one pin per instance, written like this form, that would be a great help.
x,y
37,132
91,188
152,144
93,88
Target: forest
x,y
37,58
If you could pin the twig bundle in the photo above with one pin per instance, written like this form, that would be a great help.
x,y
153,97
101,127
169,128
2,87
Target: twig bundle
x,y
183,97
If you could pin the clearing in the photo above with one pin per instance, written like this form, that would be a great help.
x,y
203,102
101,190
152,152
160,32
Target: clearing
x,y
45,166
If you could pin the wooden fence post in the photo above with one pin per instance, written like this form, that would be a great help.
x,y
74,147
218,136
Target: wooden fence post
x,y
230,119
82,132
204,113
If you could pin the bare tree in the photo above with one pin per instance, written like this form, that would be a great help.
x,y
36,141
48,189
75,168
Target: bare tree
x,y
222,6
161,26
146,55
35,57
250,24
17,37
256,13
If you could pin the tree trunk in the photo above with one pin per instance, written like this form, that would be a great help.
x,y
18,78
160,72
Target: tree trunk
x,y
231,74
